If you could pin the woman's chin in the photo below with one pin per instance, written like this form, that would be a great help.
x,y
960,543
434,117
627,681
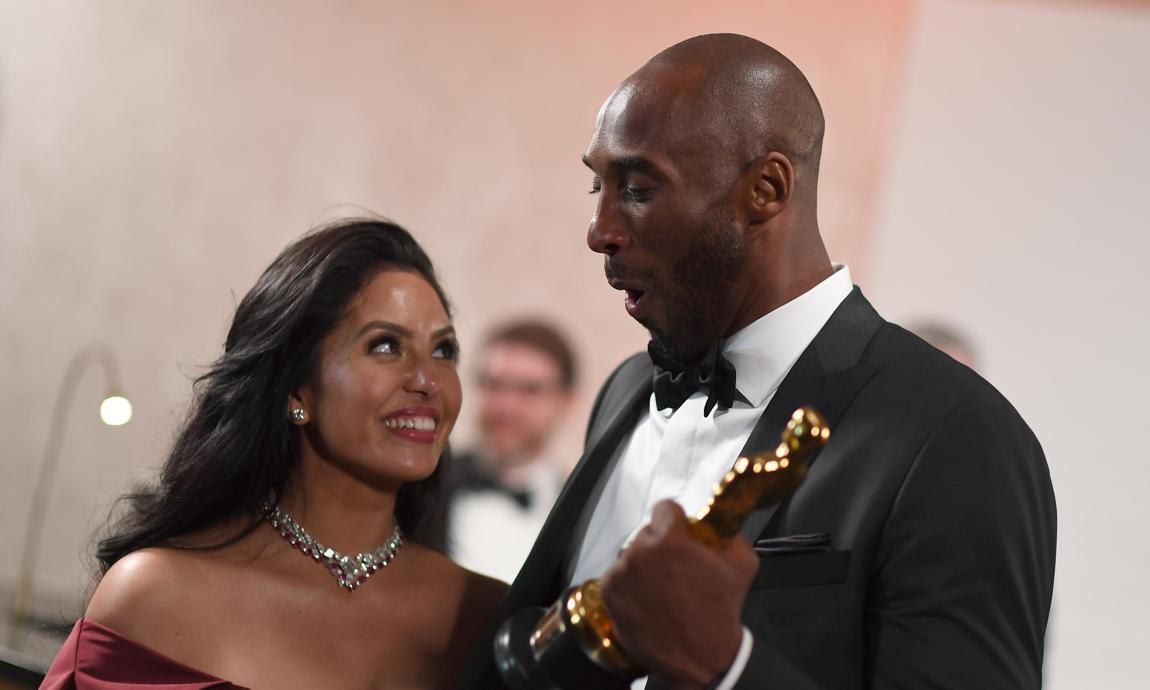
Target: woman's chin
x,y
387,474
412,468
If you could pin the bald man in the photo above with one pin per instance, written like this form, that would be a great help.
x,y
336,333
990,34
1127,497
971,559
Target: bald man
x,y
919,551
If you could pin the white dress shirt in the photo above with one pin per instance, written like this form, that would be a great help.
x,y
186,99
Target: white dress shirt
x,y
490,533
681,455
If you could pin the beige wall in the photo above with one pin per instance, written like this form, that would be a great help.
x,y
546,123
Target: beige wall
x,y
1016,205
154,157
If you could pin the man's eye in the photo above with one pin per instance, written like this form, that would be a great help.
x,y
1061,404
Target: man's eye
x,y
448,349
637,193
596,186
386,345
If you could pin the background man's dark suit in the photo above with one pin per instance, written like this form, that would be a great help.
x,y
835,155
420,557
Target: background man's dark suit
x,y
934,494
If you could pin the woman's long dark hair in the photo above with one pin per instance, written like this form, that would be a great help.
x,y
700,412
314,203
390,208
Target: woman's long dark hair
x,y
237,447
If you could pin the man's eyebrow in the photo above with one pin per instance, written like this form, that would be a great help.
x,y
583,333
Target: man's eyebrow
x,y
627,164
634,163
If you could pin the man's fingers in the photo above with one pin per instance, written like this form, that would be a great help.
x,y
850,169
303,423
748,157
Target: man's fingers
x,y
742,556
666,517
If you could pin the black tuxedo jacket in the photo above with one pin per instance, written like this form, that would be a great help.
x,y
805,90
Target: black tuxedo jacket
x,y
931,508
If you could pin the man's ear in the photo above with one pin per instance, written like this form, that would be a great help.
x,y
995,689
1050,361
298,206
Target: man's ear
x,y
770,183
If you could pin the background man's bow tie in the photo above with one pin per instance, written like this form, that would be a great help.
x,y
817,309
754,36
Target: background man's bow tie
x,y
675,382
481,483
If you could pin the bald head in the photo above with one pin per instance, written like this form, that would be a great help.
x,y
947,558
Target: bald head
x,y
745,94
706,166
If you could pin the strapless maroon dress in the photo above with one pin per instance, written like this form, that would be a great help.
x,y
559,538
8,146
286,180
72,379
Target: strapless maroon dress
x,y
98,658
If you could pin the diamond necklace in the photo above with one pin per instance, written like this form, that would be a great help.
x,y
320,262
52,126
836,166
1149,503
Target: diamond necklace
x,y
349,571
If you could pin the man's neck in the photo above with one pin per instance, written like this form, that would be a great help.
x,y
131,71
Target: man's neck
x,y
788,263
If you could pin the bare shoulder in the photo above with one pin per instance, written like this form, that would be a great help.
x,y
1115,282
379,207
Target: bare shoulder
x,y
462,607
135,586
154,597
482,595
475,597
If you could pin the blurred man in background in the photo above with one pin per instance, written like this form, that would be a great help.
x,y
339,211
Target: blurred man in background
x,y
499,493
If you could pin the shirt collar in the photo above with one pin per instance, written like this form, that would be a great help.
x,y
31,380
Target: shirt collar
x,y
766,349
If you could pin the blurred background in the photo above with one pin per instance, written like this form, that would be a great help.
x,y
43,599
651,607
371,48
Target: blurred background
x,y
985,167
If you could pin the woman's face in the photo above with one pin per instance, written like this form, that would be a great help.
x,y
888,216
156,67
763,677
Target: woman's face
x,y
386,391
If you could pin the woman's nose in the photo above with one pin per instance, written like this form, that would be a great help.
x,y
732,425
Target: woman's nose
x,y
421,379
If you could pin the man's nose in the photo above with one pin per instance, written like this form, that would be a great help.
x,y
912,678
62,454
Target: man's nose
x,y
606,234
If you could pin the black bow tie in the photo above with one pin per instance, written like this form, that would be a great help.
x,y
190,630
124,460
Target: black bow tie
x,y
675,382
483,483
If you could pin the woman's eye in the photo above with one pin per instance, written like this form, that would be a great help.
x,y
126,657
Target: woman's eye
x,y
384,346
596,186
448,349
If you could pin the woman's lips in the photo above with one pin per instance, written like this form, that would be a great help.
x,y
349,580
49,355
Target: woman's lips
x,y
413,424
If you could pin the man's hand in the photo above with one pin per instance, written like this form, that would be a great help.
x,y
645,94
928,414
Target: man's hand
x,y
676,603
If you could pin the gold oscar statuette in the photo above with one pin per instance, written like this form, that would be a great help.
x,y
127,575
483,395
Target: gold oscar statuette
x,y
573,644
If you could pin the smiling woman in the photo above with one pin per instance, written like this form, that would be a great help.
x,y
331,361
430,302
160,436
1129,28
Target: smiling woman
x,y
308,464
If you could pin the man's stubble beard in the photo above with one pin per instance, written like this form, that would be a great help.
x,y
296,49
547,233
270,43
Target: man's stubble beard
x,y
700,299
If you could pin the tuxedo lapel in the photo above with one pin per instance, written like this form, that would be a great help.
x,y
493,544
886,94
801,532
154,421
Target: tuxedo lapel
x,y
539,581
827,376
797,389
623,400
604,440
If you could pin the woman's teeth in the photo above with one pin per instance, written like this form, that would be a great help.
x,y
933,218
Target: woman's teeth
x,y
417,423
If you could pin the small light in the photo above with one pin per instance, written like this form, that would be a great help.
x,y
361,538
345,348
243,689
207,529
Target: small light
x,y
116,410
